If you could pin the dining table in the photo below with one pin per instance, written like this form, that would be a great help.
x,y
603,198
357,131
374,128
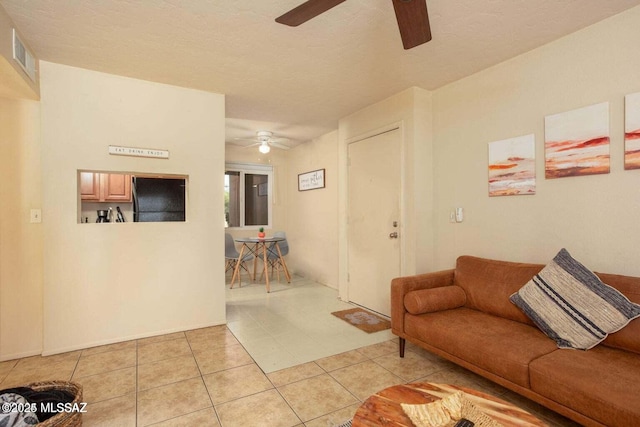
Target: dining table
x,y
259,247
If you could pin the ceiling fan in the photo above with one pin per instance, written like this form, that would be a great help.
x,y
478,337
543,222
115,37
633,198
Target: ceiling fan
x,y
266,140
412,17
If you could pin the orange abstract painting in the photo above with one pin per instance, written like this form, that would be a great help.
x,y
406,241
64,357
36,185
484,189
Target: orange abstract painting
x,y
577,142
512,166
632,131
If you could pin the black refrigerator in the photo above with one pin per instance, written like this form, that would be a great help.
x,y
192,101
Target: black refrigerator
x,y
158,199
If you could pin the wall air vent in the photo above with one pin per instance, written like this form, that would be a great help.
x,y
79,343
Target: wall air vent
x,y
24,57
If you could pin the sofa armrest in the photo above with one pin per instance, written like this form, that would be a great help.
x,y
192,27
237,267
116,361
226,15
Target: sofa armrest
x,y
401,286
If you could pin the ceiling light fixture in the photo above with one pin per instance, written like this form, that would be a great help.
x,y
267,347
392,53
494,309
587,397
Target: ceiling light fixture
x,y
264,147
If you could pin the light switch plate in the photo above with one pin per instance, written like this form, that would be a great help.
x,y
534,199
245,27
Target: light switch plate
x,y
36,216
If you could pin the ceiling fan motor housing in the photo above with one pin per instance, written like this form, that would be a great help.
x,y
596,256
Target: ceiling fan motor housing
x,y
264,136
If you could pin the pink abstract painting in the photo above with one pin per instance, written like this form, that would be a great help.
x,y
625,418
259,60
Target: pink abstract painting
x,y
512,166
577,142
632,131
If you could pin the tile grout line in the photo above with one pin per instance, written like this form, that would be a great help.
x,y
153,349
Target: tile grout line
x,y
215,411
136,402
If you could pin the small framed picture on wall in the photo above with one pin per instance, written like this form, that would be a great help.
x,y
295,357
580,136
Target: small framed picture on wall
x,y
311,180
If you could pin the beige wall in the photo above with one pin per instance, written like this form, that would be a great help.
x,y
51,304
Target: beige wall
x,y
312,225
411,110
594,217
111,282
20,241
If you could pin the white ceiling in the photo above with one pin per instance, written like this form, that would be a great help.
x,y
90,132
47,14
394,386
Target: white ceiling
x,y
297,82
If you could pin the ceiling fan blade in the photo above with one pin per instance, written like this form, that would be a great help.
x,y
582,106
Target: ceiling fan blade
x,y
252,145
280,146
306,11
279,140
413,22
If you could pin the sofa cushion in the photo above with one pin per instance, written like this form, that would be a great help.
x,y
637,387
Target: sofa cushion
x,y
501,346
572,306
436,299
602,383
488,284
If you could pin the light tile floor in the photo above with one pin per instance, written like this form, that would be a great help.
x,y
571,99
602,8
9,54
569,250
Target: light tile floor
x,y
293,323
205,377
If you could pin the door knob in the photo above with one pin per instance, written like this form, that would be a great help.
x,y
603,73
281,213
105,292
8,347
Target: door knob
x,y
393,235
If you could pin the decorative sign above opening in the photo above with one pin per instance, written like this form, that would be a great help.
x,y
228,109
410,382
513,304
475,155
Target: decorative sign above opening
x,y
311,180
138,152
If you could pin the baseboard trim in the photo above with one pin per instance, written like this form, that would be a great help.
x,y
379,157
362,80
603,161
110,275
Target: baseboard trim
x,y
52,351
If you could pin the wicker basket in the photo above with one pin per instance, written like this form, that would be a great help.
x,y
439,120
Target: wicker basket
x,y
63,419
447,411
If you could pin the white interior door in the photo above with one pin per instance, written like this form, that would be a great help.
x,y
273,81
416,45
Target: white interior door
x,y
374,219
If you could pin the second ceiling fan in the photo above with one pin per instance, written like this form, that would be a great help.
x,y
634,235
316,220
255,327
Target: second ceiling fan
x,y
412,17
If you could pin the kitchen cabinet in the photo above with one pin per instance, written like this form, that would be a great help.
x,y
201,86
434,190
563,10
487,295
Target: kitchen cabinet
x,y
115,187
90,186
105,187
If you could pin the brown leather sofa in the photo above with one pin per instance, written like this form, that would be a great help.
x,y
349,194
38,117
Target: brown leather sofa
x,y
464,315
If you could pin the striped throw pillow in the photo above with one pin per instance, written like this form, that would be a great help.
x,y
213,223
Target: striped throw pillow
x,y
572,306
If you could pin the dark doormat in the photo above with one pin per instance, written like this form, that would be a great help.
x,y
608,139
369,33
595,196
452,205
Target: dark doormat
x,y
363,320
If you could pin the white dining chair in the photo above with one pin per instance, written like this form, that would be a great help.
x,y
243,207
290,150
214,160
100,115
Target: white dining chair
x,y
232,257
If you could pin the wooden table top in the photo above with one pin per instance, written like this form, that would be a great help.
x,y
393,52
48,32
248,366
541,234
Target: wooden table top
x,y
259,239
383,408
